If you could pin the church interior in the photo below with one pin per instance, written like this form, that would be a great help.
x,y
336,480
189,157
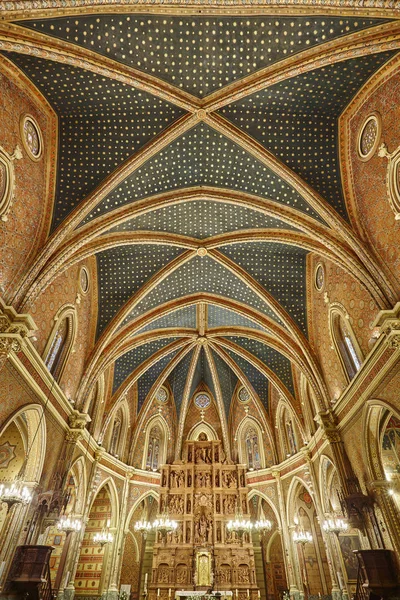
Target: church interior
x,y
199,299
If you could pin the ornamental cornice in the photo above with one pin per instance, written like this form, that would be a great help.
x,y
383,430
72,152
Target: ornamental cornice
x,y
35,8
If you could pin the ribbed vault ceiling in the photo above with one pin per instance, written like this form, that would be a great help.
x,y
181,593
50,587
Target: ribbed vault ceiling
x,y
198,160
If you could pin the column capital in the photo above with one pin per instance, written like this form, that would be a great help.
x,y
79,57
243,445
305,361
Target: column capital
x,y
78,420
14,329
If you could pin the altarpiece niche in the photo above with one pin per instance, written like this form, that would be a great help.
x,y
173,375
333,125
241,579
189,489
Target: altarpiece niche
x,y
202,492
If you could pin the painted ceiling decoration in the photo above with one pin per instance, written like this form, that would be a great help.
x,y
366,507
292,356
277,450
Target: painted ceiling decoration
x,y
198,161
190,52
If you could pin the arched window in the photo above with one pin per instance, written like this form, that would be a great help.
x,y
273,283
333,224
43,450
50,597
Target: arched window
x,y
153,449
290,436
116,433
346,344
57,347
252,449
60,341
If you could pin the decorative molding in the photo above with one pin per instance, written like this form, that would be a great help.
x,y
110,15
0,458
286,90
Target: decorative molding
x,y
392,177
7,180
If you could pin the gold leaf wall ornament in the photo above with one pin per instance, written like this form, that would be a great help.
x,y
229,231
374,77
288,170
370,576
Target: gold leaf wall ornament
x,y
7,180
392,177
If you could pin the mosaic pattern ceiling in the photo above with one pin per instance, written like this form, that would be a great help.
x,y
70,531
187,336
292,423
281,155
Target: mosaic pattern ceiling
x,y
296,120
258,381
227,381
223,317
130,361
123,270
202,157
273,359
190,52
281,270
201,275
182,318
146,381
229,148
177,380
102,123
202,219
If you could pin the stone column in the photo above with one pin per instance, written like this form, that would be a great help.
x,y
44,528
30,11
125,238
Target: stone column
x,y
334,565
72,563
286,541
118,545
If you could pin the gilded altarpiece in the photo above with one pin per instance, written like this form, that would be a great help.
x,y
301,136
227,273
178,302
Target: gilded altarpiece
x,y
202,492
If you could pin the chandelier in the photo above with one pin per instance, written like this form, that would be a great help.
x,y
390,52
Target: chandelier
x,y
240,524
302,537
68,524
15,493
104,536
263,525
335,525
164,524
143,526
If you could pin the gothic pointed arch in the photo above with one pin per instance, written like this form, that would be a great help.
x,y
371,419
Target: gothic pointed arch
x,y
289,430
250,444
155,445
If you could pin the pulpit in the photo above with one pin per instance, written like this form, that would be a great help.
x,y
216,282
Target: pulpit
x,y
30,573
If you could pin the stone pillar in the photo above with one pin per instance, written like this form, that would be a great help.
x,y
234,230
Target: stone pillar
x,y
72,563
287,541
355,503
14,329
119,541
334,565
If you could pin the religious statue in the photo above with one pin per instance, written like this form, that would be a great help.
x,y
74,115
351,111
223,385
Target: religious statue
x,y
209,531
181,480
201,530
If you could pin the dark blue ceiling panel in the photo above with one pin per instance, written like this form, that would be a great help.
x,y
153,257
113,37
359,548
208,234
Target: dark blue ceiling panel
x,y
198,375
273,359
227,381
281,270
183,317
130,361
202,157
259,382
122,271
190,52
146,381
101,123
202,219
201,274
208,378
224,317
297,120
177,380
